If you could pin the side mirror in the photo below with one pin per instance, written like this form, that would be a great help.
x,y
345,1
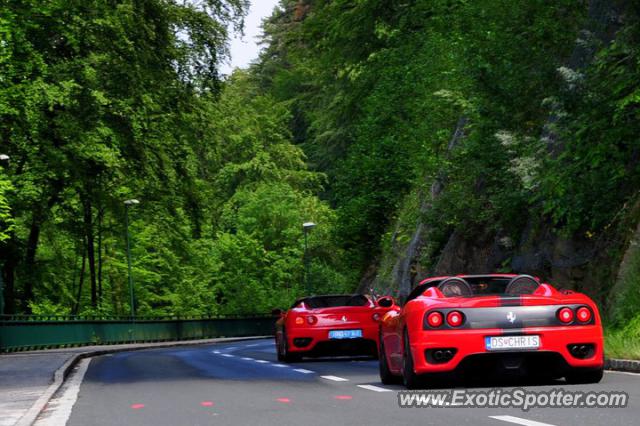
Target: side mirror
x,y
386,302
277,312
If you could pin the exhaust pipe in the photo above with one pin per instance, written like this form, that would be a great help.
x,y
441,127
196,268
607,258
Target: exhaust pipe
x,y
581,351
440,355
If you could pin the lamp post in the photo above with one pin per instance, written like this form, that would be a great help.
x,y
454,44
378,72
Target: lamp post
x,y
306,227
127,204
3,158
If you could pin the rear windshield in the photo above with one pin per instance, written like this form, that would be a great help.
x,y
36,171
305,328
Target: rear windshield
x,y
488,285
480,285
335,301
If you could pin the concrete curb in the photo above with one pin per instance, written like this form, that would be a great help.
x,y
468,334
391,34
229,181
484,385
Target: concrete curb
x,y
29,418
628,365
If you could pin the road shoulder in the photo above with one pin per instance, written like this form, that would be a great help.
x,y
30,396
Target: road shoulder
x,y
56,365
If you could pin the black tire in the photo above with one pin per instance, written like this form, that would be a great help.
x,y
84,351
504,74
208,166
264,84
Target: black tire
x,y
283,353
410,379
581,377
279,350
386,377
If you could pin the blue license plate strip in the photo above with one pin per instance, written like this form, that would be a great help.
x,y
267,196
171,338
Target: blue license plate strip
x,y
345,334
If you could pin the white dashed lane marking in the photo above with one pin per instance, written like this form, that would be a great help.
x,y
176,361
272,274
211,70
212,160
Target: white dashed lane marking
x,y
228,355
247,359
374,388
519,421
280,365
335,378
302,370
262,361
215,352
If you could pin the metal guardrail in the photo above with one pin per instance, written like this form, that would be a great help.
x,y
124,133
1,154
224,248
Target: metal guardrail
x,y
25,332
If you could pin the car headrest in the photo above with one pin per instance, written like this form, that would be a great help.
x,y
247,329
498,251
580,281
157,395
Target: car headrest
x,y
455,286
522,284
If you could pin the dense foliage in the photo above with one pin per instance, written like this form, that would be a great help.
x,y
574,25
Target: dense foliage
x,y
346,117
547,92
104,101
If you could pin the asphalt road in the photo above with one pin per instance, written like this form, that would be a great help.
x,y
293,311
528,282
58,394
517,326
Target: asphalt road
x,y
241,383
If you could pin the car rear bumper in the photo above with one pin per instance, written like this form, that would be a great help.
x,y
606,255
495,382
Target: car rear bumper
x,y
315,341
469,349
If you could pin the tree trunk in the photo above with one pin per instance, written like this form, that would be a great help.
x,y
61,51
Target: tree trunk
x,y
88,228
8,276
76,308
100,217
30,260
38,218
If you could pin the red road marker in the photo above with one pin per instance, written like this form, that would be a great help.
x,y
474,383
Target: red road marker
x,y
344,397
206,404
283,400
137,406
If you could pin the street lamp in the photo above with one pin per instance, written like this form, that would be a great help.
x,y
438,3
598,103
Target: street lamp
x,y
306,227
3,158
127,204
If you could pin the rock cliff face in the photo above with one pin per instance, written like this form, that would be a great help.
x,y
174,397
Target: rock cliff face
x,y
577,262
406,267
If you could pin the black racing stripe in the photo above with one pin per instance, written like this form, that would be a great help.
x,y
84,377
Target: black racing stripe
x,y
510,301
513,332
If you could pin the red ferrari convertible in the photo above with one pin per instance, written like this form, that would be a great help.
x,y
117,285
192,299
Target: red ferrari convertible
x,y
330,325
495,324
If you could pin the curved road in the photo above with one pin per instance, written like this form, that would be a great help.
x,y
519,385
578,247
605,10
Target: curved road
x,y
241,383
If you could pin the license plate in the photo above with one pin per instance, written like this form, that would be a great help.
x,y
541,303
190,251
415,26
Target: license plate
x,y
345,334
511,343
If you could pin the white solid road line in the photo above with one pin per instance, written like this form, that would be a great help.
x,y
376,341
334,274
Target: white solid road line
x,y
374,388
335,378
302,370
519,421
626,373
61,407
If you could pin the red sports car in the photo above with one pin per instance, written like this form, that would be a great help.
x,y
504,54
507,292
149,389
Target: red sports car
x,y
495,324
330,325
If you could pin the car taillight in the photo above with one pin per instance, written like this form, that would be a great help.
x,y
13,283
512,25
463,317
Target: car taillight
x,y
583,314
299,321
376,316
435,319
565,315
455,318
312,320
